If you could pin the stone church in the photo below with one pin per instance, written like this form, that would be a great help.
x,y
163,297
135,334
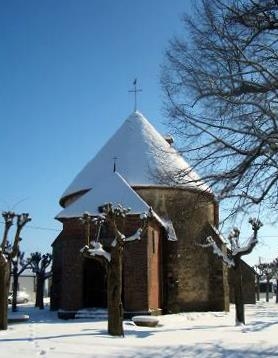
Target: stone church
x,y
164,272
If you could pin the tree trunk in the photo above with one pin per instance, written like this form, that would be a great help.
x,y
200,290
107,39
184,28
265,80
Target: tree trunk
x,y
15,289
114,293
276,290
258,288
239,303
267,289
40,292
4,289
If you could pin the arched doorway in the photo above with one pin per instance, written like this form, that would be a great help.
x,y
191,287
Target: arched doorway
x,y
94,284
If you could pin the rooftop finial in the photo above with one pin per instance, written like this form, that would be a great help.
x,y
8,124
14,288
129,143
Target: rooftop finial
x,y
115,162
135,91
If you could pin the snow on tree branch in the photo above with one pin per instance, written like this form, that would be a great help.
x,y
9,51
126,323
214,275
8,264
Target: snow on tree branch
x,y
236,251
252,241
217,251
109,214
96,250
135,236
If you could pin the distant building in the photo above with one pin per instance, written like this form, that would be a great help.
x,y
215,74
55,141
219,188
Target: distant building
x,y
26,283
164,272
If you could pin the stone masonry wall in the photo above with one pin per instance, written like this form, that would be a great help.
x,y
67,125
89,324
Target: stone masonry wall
x,y
248,284
189,268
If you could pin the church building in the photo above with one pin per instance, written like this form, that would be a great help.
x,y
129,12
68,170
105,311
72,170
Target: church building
x,y
164,272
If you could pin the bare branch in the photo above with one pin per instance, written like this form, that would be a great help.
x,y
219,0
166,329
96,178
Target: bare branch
x,y
221,84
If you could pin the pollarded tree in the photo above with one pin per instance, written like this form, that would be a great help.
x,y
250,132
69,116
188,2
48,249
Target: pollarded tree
x,y
258,280
220,82
6,255
266,271
274,265
39,264
112,258
19,265
233,258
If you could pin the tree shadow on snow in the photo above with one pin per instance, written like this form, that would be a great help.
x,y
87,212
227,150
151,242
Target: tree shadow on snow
x,y
93,332
257,326
202,350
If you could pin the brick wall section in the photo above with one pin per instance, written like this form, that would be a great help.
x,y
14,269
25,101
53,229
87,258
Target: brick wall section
x,y
68,267
142,274
72,283
155,276
55,290
67,291
135,270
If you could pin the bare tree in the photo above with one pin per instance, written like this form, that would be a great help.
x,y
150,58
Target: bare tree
x,y
112,258
5,260
266,271
258,280
274,266
233,259
39,264
19,265
220,82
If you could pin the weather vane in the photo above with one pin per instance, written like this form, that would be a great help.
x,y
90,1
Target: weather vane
x,y
135,91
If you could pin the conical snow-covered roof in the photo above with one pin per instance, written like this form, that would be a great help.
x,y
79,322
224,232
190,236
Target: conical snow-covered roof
x,y
144,158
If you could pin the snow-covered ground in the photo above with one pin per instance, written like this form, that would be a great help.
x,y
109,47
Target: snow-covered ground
x,y
210,334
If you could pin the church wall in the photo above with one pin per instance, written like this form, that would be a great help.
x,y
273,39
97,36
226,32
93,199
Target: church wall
x,y
135,269
155,269
219,285
189,280
69,263
142,271
248,283
140,292
55,289
72,285
135,276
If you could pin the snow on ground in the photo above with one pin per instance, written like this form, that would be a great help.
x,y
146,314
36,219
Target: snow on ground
x,y
210,334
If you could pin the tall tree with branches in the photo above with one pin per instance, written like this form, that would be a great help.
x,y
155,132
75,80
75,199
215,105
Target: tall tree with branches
x,y
6,255
112,257
39,264
19,265
259,276
266,272
220,82
274,266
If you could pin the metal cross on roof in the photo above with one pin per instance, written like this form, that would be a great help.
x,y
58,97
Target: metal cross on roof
x,y
135,91
115,164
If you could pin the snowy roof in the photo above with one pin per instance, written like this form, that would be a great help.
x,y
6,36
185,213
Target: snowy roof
x,y
144,158
111,189
115,190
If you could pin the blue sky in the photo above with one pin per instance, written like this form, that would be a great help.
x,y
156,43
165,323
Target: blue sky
x,y
66,67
